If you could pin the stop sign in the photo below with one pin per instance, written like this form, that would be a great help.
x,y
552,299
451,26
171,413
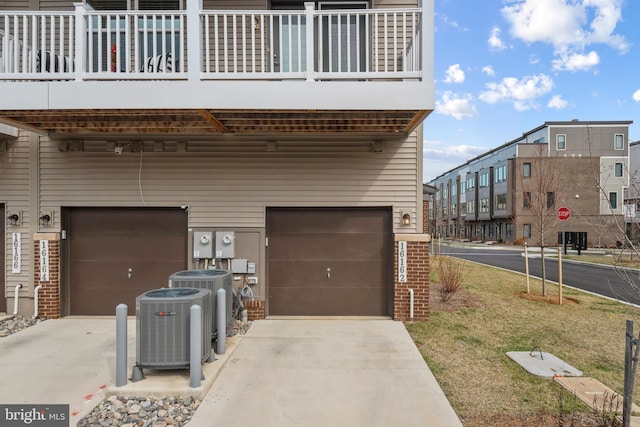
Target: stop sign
x,y
563,214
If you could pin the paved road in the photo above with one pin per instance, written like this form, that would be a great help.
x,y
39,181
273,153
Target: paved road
x,y
593,278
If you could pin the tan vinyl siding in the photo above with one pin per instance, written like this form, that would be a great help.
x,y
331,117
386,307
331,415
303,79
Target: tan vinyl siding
x,y
14,5
56,5
14,193
234,5
230,187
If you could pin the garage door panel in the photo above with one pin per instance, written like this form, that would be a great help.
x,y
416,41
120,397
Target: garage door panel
x,y
355,243
296,301
320,221
352,273
344,245
124,247
106,244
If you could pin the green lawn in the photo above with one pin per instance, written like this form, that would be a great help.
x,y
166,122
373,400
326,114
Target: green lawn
x,y
465,341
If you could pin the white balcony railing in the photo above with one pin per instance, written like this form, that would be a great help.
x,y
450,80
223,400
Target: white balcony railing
x,y
196,44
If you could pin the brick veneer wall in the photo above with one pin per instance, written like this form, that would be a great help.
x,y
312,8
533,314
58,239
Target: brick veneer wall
x,y
417,279
255,309
49,293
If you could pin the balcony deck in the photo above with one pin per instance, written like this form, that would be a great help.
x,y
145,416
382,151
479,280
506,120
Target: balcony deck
x,y
204,72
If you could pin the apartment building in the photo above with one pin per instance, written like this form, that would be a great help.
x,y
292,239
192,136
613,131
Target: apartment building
x,y
513,192
281,140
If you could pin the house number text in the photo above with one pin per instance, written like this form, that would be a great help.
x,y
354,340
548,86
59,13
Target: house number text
x,y
402,262
16,253
44,260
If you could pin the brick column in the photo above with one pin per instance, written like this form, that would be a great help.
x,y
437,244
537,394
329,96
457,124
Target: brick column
x,y
255,309
49,293
417,278
425,216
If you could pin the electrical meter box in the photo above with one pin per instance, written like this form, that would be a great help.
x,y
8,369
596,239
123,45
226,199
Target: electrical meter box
x,y
225,244
202,245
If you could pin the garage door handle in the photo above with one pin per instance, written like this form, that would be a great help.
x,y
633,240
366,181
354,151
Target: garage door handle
x,y
130,273
328,273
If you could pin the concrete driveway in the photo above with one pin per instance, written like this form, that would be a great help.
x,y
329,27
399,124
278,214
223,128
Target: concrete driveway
x,y
282,373
326,373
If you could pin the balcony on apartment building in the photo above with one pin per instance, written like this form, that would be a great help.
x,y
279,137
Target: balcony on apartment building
x,y
215,72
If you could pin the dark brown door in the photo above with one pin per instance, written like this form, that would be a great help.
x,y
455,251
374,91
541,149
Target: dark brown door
x,y
329,261
3,296
114,255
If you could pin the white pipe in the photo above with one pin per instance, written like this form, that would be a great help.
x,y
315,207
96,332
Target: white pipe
x,y
411,304
35,301
15,298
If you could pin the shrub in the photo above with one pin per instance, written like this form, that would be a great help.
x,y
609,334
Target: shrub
x,y
450,272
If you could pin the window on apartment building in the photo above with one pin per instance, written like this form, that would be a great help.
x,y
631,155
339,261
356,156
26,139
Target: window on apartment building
x,y
618,141
463,187
619,170
613,200
561,142
471,206
483,180
463,208
509,229
526,199
500,174
444,210
471,183
501,202
492,230
445,192
551,199
484,205
454,189
526,230
526,170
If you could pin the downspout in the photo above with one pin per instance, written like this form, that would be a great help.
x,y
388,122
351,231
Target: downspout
x,y
15,298
411,304
35,301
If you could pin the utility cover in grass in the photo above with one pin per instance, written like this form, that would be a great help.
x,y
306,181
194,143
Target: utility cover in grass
x,y
543,364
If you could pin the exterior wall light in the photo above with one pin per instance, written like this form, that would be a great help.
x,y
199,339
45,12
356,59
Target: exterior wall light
x,y
406,218
45,219
14,219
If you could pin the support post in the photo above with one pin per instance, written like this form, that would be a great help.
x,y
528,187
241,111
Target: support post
x,y
121,345
195,351
221,321
526,265
627,401
308,14
560,273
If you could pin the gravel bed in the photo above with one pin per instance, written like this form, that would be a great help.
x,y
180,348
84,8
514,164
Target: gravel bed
x,y
12,325
147,411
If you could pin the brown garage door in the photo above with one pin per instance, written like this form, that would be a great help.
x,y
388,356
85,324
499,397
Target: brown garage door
x,y
3,301
329,262
114,255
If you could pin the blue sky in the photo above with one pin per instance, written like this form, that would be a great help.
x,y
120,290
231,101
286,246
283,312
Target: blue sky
x,y
503,67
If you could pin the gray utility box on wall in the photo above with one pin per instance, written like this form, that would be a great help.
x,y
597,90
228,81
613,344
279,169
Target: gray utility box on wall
x,y
163,319
225,244
212,280
202,245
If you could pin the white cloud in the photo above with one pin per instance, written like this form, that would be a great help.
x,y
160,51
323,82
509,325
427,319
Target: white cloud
x,y
576,62
557,102
636,96
440,157
454,74
522,93
451,23
488,70
457,106
570,26
494,39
